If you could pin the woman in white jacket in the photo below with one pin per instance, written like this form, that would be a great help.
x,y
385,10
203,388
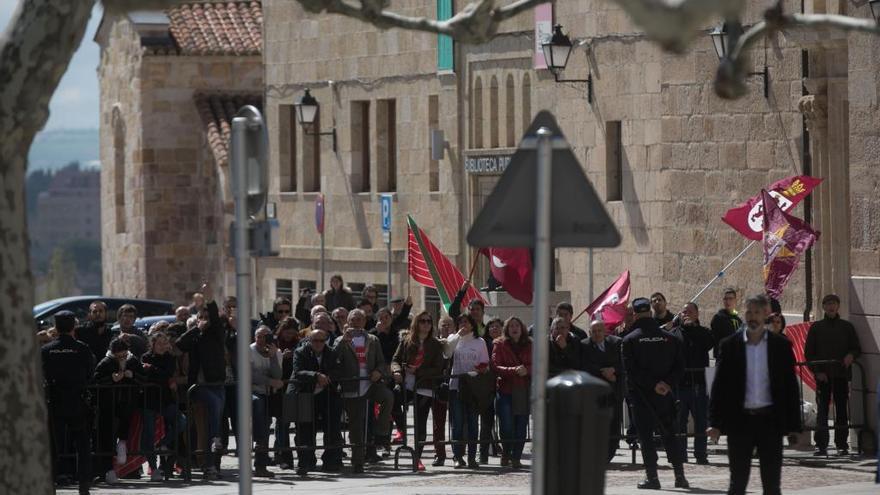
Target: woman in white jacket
x,y
469,355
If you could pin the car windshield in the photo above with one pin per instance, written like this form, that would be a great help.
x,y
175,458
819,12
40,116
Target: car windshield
x,y
42,307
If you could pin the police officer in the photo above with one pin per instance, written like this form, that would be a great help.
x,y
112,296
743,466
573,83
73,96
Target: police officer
x,y
67,367
654,363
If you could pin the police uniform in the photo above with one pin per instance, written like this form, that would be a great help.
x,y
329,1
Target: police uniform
x,y
652,355
67,368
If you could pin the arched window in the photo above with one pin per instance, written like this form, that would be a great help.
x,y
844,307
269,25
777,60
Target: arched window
x,y
493,113
477,115
526,103
509,116
119,169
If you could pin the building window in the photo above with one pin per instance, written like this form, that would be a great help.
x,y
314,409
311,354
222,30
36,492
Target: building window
x,y
386,145
306,285
287,148
360,146
433,306
526,104
284,288
613,161
119,170
311,156
493,112
477,115
444,43
433,123
509,117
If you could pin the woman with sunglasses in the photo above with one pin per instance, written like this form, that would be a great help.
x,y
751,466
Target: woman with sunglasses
x,y
469,356
417,364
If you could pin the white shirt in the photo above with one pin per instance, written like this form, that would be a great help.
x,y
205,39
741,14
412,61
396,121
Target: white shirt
x,y
757,373
467,353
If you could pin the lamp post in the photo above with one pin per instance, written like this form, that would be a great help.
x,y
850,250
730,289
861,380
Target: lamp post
x,y
556,50
306,112
721,39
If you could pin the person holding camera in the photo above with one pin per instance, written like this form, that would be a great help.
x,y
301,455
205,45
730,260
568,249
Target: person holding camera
x,y
265,379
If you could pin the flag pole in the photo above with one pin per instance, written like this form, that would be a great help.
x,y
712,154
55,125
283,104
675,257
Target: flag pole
x,y
473,266
723,270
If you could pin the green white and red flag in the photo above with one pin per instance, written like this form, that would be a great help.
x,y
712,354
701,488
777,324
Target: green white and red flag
x,y
429,267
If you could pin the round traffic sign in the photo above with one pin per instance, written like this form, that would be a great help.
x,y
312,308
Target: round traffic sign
x,y
319,213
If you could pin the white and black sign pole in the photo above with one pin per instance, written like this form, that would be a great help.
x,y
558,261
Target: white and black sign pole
x,y
243,295
542,287
386,234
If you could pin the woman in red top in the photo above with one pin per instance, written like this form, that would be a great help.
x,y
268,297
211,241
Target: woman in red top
x,y
417,365
512,362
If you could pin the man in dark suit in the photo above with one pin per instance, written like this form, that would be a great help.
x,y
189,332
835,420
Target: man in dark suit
x,y
600,357
315,402
755,400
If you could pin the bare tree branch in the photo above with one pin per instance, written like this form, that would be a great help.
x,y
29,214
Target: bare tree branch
x,y
731,75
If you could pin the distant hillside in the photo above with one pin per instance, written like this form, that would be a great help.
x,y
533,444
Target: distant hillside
x,y
53,150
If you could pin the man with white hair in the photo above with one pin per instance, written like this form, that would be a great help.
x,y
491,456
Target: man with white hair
x,y
600,357
265,379
565,352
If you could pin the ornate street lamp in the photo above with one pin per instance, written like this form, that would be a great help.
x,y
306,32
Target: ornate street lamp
x,y
306,111
556,50
721,41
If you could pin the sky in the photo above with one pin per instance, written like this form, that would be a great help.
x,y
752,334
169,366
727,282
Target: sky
x,y
75,103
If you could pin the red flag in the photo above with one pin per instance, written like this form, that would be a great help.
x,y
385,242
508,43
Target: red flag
x,y
429,267
513,268
785,238
747,218
610,306
797,334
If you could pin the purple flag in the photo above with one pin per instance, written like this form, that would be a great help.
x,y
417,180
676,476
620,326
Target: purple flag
x,y
785,238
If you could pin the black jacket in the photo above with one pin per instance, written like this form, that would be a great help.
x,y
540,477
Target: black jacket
x,y
98,342
594,359
207,350
306,368
388,341
651,355
137,341
158,370
68,365
697,341
341,298
831,339
729,388
564,359
723,325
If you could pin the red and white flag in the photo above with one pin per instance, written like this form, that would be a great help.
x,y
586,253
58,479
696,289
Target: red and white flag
x,y
512,267
610,306
748,218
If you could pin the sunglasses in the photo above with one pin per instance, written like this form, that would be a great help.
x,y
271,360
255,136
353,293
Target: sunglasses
x,y
283,311
425,320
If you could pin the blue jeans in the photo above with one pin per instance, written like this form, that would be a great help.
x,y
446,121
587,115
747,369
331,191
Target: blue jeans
x,y
213,398
260,422
462,413
513,426
693,401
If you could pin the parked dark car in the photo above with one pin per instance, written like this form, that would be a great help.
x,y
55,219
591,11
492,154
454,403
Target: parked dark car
x,y
44,312
146,322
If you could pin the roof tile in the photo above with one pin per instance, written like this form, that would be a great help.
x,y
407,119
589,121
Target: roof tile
x,y
217,111
218,28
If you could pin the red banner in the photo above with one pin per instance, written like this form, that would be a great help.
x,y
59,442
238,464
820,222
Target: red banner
x,y
797,334
610,306
785,239
748,218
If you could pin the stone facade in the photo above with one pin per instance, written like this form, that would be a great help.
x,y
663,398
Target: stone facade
x,y
165,181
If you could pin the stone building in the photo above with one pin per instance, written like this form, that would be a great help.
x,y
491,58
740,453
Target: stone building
x,y
170,83
666,154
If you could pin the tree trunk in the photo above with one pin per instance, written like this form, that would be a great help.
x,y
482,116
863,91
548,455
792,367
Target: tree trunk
x,y
35,52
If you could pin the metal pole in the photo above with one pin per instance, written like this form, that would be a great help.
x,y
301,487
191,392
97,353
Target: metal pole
x,y
242,290
721,273
590,286
389,266
542,287
322,260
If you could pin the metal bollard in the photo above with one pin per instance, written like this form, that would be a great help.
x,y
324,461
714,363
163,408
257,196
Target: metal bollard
x,y
579,409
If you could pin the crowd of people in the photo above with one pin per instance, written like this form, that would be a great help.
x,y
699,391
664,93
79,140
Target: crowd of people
x,y
119,399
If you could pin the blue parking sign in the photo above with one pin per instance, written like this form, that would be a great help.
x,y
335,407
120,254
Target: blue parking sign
x,y
386,213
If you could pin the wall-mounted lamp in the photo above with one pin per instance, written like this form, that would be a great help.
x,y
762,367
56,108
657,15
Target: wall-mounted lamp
x,y
306,111
721,40
875,9
556,52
